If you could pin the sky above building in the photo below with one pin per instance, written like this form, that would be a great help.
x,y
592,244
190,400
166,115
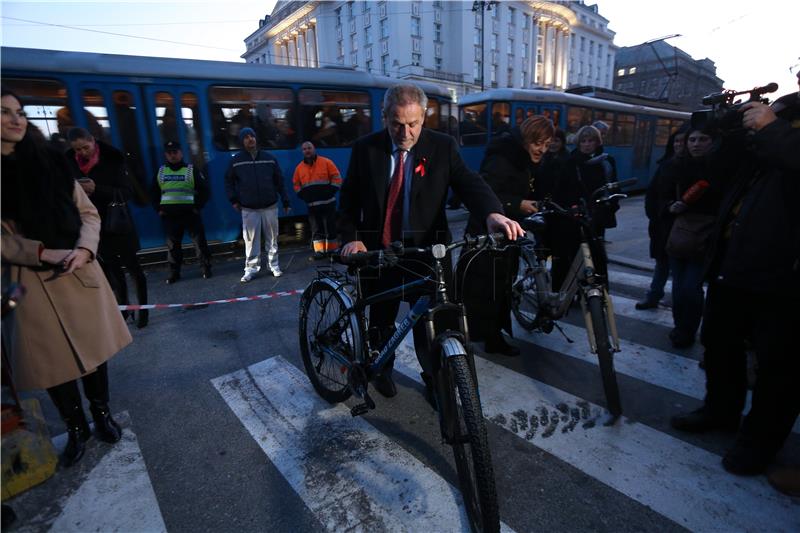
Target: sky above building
x,y
751,43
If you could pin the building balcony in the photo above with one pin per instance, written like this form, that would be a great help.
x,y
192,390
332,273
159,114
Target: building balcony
x,y
407,71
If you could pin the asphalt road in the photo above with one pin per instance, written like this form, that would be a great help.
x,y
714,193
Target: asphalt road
x,y
224,434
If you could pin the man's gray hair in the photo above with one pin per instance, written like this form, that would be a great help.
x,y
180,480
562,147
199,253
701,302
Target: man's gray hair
x,y
404,94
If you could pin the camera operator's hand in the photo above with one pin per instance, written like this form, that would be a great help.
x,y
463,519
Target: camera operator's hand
x,y
757,115
676,208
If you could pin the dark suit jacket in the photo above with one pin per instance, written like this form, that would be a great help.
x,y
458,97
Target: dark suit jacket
x,y
362,201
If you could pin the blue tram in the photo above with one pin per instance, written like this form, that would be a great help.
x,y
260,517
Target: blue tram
x,y
136,103
637,136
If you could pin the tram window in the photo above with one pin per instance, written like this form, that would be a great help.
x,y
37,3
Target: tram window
x,y
96,115
436,115
334,118
552,114
519,116
472,126
608,118
577,117
45,102
501,117
190,112
269,111
662,132
128,128
166,118
624,129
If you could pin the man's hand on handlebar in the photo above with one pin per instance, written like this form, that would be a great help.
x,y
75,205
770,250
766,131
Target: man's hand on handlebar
x,y
528,207
497,223
353,247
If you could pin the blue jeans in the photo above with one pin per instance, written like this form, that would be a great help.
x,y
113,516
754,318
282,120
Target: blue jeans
x,y
660,277
687,295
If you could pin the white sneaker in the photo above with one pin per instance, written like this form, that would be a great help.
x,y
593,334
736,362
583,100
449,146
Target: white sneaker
x,y
277,273
248,276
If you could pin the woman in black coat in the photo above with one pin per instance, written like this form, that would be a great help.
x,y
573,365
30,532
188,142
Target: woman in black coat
x,y
587,170
100,169
483,279
656,204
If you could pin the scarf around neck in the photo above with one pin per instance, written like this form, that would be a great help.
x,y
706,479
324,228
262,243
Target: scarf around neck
x,y
88,164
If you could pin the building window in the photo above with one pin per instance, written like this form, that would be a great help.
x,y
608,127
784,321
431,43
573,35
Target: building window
x,y
385,65
525,50
339,16
350,9
478,20
416,59
632,70
437,50
621,72
415,26
438,62
476,70
476,39
583,44
591,48
599,50
512,16
437,33
354,58
384,28
367,37
510,46
353,43
495,41
526,21
415,8
494,74
510,79
382,9
369,66
340,49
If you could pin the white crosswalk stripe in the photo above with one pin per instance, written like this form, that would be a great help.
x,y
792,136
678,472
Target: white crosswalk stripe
x,y
639,281
348,474
682,482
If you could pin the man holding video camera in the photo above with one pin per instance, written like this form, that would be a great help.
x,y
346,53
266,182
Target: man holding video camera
x,y
753,268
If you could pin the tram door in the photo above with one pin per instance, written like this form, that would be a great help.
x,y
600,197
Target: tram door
x,y
113,113
643,149
177,112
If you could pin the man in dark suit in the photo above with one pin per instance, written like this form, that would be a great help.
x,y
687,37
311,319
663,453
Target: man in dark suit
x,y
396,190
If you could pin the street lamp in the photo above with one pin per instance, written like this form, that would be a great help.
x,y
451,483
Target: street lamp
x,y
671,75
482,5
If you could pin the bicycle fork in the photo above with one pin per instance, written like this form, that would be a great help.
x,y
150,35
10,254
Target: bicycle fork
x,y
596,290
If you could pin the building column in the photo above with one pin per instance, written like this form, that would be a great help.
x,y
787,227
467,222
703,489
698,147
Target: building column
x,y
291,47
302,59
557,57
534,47
311,44
565,70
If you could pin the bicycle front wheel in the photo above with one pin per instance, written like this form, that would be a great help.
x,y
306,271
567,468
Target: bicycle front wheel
x,y
525,294
326,327
471,446
597,312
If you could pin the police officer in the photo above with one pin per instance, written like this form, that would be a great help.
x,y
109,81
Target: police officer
x,y
179,192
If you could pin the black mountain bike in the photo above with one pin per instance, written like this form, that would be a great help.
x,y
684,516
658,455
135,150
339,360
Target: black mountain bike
x,y
537,306
341,360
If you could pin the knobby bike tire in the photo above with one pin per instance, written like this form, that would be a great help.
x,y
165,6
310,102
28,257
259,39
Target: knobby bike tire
x,y
320,308
524,297
471,449
597,312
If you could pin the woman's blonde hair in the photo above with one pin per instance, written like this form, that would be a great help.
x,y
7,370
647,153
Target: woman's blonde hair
x,y
536,129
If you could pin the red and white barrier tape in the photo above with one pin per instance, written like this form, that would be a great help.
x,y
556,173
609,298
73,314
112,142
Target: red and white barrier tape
x,y
268,296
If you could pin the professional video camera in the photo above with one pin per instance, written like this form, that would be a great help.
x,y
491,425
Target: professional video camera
x,y
725,114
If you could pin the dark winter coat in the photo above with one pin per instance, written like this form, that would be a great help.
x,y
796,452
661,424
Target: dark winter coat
x,y
255,182
112,182
656,206
483,279
756,244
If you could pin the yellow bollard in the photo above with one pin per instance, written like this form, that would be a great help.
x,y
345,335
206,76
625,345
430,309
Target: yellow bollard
x,y
28,455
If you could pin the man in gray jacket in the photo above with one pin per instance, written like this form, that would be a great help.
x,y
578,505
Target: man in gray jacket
x,y
254,183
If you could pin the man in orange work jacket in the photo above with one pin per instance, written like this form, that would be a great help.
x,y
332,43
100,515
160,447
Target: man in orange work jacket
x,y
316,181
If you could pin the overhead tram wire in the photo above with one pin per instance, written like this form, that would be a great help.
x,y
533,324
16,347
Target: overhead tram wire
x,y
121,34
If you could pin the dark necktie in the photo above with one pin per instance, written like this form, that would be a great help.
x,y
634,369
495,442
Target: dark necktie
x,y
393,221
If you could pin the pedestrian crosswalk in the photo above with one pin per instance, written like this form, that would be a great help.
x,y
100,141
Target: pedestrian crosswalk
x,y
351,474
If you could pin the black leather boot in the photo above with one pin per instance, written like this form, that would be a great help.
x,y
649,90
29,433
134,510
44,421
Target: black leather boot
x,y
95,385
67,400
105,427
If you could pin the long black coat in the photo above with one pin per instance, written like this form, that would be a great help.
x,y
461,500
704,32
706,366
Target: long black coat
x,y
111,178
483,280
659,195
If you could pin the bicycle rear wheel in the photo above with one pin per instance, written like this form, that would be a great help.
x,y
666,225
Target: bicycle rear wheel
x,y
524,293
471,446
324,325
597,312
